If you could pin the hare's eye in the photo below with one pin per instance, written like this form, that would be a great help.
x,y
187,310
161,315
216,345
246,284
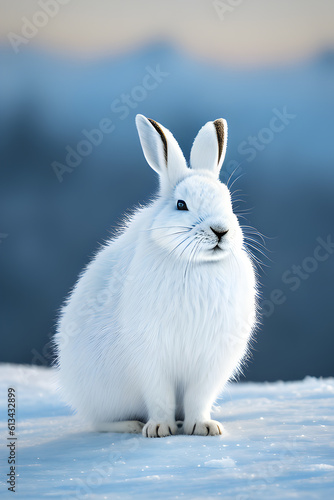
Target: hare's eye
x,y
181,205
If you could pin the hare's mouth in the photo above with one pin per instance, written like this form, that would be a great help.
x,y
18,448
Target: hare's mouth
x,y
216,248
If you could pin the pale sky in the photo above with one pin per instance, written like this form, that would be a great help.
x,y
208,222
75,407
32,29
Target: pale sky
x,y
246,32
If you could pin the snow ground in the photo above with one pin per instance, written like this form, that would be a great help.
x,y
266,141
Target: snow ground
x,y
279,444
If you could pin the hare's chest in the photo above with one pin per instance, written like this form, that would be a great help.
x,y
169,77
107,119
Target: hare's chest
x,y
180,324
181,309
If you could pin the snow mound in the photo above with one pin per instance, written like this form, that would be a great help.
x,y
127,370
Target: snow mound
x,y
279,443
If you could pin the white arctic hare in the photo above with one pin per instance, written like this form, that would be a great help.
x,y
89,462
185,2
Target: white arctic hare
x,y
161,318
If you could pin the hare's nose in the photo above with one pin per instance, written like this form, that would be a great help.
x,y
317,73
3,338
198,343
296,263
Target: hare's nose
x,y
218,232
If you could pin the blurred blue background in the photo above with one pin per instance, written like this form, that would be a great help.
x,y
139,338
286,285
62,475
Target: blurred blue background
x,y
73,77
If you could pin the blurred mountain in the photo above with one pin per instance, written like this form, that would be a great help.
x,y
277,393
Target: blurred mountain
x,y
280,134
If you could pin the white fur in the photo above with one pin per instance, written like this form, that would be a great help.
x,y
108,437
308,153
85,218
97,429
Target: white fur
x,y
159,321
172,171
204,152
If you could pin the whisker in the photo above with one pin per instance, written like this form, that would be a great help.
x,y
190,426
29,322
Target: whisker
x,y
236,179
257,250
191,257
175,248
236,191
239,164
247,237
243,214
170,234
253,230
167,227
256,259
185,248
228,180
238,200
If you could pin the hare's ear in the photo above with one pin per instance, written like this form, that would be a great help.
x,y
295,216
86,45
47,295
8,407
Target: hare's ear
x,y
209,148
161,150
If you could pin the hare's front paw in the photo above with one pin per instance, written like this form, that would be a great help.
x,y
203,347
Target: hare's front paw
x,y
159,429
203,428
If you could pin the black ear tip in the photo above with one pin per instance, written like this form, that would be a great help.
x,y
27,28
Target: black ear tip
x,y
220,125
220,131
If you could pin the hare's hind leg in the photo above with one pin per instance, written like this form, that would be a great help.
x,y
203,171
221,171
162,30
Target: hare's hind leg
x,y
131,426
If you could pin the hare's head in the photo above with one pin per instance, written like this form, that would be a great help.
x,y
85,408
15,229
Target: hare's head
x,y
194,219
